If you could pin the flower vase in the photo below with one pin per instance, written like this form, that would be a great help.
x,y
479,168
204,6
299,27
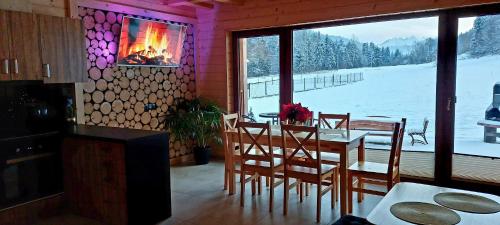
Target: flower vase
x,y
298,123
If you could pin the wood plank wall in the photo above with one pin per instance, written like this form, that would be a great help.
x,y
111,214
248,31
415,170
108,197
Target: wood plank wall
x,y
214,79
45,7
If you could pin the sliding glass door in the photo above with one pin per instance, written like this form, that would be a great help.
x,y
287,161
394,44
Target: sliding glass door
x,y
378,71
387,68
259,63
477,116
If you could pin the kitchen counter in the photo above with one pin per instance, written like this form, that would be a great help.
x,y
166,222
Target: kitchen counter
x,y
111,133
124,173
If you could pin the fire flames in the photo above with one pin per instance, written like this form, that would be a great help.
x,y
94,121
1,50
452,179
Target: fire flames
x,y
155,45
150,43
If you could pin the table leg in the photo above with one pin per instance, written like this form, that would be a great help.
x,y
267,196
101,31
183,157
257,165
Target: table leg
x,y
361,157
361,150
344,163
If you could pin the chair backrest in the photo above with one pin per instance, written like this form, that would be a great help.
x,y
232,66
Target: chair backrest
x,y
228,122
297,139
426,124
253,149
396,146
334,121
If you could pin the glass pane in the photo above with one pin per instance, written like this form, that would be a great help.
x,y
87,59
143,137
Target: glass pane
x,y
260,70
477,116
373,71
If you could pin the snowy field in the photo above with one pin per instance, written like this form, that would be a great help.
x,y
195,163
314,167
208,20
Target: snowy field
x,y
408,91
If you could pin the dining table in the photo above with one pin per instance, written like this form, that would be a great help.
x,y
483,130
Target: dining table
x,y
337,141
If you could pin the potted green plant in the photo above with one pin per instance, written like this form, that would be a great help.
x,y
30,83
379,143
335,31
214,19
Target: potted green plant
x,y
197,120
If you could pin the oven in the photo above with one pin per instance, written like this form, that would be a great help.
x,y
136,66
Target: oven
x,y
30,167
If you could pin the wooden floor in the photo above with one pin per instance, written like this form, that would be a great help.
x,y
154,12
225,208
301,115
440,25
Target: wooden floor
x,y
198,199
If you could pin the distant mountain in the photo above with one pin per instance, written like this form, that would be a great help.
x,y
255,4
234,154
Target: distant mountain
x,y
405,45
338,38
345,40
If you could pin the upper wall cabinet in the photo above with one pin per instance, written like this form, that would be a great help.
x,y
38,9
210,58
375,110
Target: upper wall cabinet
x,y
62,48
24,46
37,47
4,47
20,47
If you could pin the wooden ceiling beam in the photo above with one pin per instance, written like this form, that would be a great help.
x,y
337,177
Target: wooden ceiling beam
x,y
193,3
237,2
149,5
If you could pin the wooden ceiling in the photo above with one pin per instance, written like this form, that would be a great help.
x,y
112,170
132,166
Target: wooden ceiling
x,y
207,4
184,8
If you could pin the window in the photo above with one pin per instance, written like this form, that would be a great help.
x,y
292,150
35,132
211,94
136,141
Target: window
x,y
373,71
391,66
259,63
477,140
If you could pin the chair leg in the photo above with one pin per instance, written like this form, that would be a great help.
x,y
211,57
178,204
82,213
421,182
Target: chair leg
x,y
360,185
297,188
259,185
318,204
226,177
349,192
308,186
332,190
285,198
267,181
242,191
271,193
301,191
253,185
425,139
337,174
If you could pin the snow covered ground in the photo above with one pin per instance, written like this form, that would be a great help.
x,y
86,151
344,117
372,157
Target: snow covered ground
x,y
409,91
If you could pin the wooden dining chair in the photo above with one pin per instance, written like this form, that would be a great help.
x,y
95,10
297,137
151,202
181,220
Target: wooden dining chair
x,y
257,160
377,173
231,154
336,122
304,163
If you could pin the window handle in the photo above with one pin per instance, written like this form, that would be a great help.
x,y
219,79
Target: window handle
x,y
451,100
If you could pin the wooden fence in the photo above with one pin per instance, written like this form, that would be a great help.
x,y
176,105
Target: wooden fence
x,y
271,87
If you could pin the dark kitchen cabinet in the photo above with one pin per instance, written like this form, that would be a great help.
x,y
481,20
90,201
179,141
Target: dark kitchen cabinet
x,y
76,55
23,61
117,176
38,47
94,179
4,49
62,49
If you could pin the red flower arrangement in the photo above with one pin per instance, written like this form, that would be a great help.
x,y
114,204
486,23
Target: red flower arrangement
x,y
295,113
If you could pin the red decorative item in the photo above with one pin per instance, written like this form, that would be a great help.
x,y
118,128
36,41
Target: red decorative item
x,y
295,113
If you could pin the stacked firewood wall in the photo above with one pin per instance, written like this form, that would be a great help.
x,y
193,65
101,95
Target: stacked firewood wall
x,y
119,96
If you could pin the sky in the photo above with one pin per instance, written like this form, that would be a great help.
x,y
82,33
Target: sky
x,y
381,31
